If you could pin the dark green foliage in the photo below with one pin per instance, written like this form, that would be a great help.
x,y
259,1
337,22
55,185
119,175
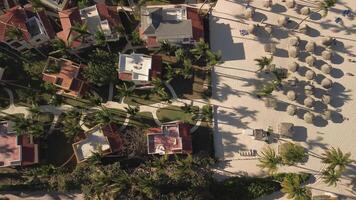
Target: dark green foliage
x,y
101,69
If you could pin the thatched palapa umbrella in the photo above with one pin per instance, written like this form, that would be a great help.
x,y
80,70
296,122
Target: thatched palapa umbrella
x,y
282,21
294,41
310,46
310,74
293,66
293,52
326,83
290,3
251,28
304,28
326,68
309,102
326,54
267,3
291,95
249,12
305,11
326,99
291,110
308,117
310,60
326,41
309,90
327,115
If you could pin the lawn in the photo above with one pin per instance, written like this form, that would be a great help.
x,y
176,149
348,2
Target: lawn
x,y
142,120
174,113
143,97
4,99
58,150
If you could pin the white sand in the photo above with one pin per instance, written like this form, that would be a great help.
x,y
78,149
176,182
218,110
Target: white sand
x,y
236,80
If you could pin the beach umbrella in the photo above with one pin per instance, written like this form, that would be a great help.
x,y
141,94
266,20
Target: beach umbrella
x,y
268,29
293,66
326,41
294,41
293,52
291,95
310,74
305,11
326,99
251,28
326,54
327,115
310,46
290,3
309,102
326,83
291,110
309,90
310,60
293,81
267,3
308,117
325,68
304,28
249,12
282,21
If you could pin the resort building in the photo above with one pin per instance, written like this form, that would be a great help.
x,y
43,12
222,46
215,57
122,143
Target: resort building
x,y
178,25
16,150
103,139
35,27
99,17
170,138
66,75
139,68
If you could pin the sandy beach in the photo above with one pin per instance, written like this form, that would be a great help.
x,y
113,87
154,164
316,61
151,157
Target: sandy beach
x,y
235,81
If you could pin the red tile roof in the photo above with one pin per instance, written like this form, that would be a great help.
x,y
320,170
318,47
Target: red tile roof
x,y
156,69
125,76
108,13
171,138
15,17
111,131
69,18
47,24
28,150
70,74
197,23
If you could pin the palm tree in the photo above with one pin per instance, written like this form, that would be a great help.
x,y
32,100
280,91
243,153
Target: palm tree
x,y
323,5
170,72
336,158
279,75
95,158
269,160
132,110
71,124
124,91
104,116
263,62
292,153
207,113
21,125
100,39
64,48
16,33
95,99
187,70
35,111
180,54
81,30
159,88
292,186
213,58
331,176
166,47
37,5
266,90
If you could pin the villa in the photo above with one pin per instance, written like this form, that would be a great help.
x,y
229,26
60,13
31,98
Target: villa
x,y
103,139
35,26
139,68
56,4
66,75
16,150
99,17
178,25
170,138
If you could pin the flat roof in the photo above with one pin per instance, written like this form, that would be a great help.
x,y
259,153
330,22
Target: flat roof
x,y
91,16
10,151
95,142
139,65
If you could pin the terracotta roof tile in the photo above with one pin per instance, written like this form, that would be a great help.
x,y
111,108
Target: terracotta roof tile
x,y
15,17
197,23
